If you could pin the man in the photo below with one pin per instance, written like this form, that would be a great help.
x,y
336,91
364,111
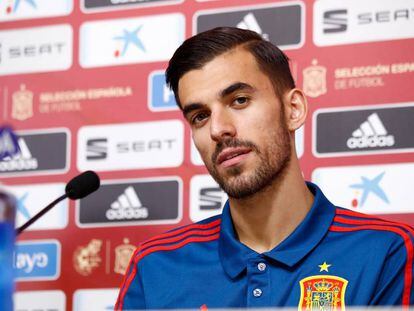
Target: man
x,y
279,241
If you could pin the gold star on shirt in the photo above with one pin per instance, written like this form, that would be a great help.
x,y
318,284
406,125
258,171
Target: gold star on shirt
x,y
324,267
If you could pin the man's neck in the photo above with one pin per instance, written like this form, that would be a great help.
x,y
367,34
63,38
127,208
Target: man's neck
x,y
265,219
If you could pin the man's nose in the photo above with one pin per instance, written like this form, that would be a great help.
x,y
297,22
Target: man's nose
x,y
221,126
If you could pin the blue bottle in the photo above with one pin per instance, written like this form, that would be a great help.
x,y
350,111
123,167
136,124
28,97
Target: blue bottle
x,y
7,238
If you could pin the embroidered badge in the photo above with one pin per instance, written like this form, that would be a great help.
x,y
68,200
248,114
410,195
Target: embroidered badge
x,y
322,293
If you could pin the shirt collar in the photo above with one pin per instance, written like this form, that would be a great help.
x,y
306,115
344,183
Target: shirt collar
x,y
298,244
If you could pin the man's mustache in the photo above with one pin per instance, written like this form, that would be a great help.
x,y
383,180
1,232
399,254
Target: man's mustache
x,y
232,143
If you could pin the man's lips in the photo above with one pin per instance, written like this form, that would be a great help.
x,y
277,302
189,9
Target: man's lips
x,y
231,156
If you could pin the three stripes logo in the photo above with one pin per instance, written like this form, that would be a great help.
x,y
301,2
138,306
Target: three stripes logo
x,y
373,129
127,206
371,133
282,23
21,162
8,143
132,203
250,22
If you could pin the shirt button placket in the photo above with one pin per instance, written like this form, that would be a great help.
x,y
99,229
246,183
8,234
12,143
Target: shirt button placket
x,y
257,292
258,283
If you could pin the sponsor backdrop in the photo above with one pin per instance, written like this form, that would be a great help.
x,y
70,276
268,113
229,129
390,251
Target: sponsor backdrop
x,y
82,83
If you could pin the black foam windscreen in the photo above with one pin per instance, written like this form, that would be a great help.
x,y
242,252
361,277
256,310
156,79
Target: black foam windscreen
x,y
82,185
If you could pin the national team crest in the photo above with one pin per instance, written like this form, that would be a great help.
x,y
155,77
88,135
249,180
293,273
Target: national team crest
x,y
322,293
123,255
314,80
22,108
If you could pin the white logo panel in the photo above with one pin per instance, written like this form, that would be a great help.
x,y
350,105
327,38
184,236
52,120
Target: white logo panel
x,y
36,49
206,197
131,146
33,198
40,300
299,141
338,22
19,9
195,155
103,299
372,189
129,41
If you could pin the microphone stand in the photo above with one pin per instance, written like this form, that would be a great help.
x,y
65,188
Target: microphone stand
x,y
40,214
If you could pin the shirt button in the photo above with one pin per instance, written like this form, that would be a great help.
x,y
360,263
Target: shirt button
x,y
257,292
261,266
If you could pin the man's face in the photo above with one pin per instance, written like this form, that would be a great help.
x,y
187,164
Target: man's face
x,y
237,122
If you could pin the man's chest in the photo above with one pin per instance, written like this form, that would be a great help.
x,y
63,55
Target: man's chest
x,y
321,281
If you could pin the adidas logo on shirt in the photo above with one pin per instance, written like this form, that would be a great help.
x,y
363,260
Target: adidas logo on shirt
x,y
250,22
127,206
370,134
22,161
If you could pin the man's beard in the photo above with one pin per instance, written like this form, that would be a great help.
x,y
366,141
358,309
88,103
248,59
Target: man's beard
x,y
270,166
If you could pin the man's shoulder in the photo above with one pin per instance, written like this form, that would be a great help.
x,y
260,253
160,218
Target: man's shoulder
x,y
206,230
353,223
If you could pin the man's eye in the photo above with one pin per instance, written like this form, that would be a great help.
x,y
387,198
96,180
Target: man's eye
x,y
199,117
241,100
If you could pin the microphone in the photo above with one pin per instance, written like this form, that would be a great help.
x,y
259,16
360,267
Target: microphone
x,y
82,185
77,188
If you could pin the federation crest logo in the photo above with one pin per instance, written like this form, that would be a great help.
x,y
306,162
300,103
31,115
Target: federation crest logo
x,y
314,80
123,255
322,293
22,108
87,258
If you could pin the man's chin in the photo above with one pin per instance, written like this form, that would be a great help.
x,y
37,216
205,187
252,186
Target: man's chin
x,y
236,185
232,171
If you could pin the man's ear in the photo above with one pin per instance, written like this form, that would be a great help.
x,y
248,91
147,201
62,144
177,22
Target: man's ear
x,y
296,108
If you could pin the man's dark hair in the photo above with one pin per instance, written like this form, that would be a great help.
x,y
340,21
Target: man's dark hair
x,y
196,51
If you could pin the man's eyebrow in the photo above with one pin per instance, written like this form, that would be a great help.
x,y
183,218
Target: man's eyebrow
x,y
191,107
238,86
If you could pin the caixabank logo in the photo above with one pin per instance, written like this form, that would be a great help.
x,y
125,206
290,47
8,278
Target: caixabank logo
x,y
337,22
41,152
131,146
282,23
129,41
36,49
24,9
363,130
32,198
372,189
37,260
132,202
105,5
